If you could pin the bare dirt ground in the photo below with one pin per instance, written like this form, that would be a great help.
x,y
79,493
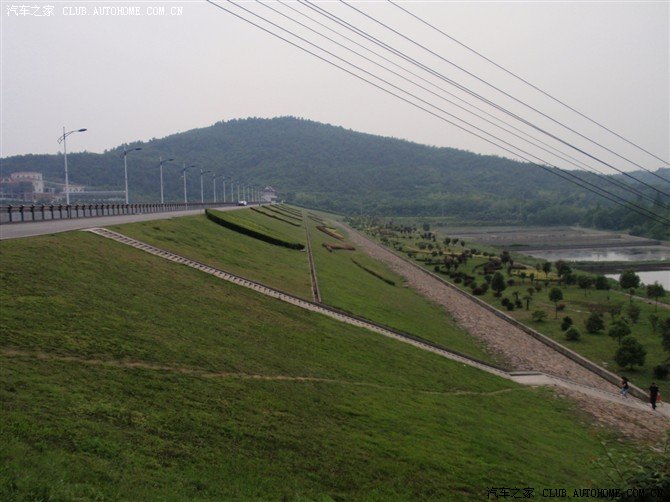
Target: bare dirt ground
x,y
519,350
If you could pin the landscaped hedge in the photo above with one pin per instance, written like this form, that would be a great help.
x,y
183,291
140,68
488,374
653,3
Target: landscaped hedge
x,y
332,246
275,217
331,232
252,233
370,271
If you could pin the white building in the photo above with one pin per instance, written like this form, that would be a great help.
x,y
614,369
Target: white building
x,y
27,177
269,194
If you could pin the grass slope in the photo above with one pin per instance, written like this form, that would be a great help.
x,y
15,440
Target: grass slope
x,y
392,423
345,285
207,242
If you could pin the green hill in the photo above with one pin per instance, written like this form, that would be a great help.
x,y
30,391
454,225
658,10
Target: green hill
x,y
126,376
332,168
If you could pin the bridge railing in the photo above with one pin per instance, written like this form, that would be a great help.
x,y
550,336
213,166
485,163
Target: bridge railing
x,y
47,212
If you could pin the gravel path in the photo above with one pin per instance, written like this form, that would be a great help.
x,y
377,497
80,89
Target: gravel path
x,y
520,351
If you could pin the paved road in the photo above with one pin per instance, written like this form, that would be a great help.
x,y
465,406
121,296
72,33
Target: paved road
x,y
30,229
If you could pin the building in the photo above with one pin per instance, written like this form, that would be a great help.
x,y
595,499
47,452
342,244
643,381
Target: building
x,y
269,194
35,179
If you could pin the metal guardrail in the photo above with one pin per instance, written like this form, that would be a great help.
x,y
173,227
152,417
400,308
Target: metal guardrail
x,y
48,212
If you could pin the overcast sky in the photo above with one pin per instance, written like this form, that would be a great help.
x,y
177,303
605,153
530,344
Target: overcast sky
x,y
129,78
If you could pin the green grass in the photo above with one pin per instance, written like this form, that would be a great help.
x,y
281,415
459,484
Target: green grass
x,y
345,285
200,239
76,425
599,348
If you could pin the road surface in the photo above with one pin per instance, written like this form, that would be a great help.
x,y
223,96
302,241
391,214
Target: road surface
x,y
30,229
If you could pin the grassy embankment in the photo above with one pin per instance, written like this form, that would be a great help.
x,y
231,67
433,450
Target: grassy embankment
x,y
343,284
141,391
579,303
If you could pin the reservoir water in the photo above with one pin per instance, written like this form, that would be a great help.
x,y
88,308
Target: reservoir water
x,y
614,254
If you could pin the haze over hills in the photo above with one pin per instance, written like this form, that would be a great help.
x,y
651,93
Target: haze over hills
x,y
337,169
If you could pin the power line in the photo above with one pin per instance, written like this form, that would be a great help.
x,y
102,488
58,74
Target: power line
x,y
509,72
601,192
608,179
520,102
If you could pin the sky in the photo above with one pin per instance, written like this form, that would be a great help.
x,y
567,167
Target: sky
x,y
175,66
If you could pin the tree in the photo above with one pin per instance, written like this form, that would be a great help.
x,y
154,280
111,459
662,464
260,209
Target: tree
x,y
633,312
602,283
567,322
546,268
527,299
629,280
654,321
665,334
555,295
615,309
498,283
426,227
594,323
584,282
630,353
655,291
539,315
619,330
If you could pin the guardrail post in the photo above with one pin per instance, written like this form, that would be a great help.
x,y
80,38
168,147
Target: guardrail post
x,y
9,213
51,209
21,212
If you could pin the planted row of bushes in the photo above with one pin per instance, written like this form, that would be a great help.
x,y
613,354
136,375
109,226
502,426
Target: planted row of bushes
x,y
372,272
333,246
275,217
329,231
252,233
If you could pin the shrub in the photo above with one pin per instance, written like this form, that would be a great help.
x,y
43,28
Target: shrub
x,y
567,322
251,233
594,323
518,304
560,307
539,315
633,312
630,353
510,306
478,291
458,280
661,371
505,302
511,282
572,334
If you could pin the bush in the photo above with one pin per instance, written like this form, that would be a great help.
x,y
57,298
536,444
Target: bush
x,y
505,302
572,334
594,323
560,307
661,371
538,288
567,322
478,291
630,353
458,280
511,282
510,306
539,315
251,233
518,304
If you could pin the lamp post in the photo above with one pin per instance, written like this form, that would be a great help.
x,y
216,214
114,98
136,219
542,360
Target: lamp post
x,y
238,192
161,167
232,187
125,167
62,140
202,192
183,175
214,185
223,180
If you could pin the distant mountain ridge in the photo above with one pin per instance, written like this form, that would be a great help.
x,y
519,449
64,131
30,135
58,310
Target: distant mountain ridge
x,y
333,168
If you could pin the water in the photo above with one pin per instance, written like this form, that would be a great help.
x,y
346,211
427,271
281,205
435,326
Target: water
x,y
649,277
605,254
615,254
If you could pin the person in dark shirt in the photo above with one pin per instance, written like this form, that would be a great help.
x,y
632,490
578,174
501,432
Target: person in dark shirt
x,y
653,394
624,386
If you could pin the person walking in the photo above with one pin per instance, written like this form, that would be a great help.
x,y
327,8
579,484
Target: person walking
x,y
653,394
624,387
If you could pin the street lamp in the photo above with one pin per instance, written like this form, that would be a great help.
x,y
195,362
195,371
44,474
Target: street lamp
x,y
125,166
161,166
223,180
62,140
214,185
202,192
183,175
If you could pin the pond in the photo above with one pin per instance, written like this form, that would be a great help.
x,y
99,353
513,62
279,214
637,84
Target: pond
x,y
649,277
604,254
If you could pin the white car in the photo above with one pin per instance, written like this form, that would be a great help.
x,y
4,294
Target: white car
x,y
242,203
